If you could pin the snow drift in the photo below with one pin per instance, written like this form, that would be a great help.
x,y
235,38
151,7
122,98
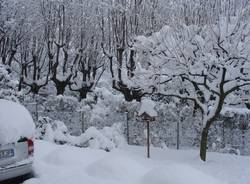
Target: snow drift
x,y
117,167
177,174
67,164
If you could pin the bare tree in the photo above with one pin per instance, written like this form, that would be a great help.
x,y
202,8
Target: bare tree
x,y
58,34
34,65
119,25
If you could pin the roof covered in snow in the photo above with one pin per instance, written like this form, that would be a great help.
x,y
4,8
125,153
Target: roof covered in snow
x,y
15,122
147,106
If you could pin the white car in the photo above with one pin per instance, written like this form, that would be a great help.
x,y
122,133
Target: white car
x,y
16,144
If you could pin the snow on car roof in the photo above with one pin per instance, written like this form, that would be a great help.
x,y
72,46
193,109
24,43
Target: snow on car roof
x,y
15,122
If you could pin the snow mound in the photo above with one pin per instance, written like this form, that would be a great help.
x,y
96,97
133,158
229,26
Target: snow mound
x,y
106,139
52,131
118,167
63,157
15,122
93,138
177,174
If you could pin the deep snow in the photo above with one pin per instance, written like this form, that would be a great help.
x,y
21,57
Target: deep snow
x,y
15,122
71,165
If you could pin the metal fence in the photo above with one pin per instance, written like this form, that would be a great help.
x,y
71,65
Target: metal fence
x,y
174,135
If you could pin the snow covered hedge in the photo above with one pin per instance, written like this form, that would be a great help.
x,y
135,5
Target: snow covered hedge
x,y
8,85
107,138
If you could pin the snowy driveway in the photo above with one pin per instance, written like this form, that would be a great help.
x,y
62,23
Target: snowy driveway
x,y
71,165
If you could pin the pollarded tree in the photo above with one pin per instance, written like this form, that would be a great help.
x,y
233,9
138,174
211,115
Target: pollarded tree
x,y
59,18
121,21
22,44
205,65
88,60
33,62
88,68
13,23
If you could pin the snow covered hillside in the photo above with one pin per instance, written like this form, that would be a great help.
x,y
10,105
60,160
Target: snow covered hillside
x,y
71,165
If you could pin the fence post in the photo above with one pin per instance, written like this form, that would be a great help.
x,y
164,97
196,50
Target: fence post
x,y
148,140
127,127
82,121
36,103
223,134
178,135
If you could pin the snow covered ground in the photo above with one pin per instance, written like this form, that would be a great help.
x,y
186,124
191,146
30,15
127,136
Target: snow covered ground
x,y
71,165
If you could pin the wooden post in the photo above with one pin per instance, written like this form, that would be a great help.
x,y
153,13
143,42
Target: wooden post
x,y
148,142
146,118
223,134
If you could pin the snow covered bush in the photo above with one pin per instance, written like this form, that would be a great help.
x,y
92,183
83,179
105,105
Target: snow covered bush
x,y
107,138
100,109
54,131
7,85
115,134
41,127
229,149
93,138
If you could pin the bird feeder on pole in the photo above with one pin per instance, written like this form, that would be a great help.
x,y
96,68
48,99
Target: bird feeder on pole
x,y
147,114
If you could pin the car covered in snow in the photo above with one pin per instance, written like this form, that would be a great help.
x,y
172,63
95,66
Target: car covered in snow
x,y
16,144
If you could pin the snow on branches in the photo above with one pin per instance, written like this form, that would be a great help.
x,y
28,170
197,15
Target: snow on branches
x,y
202,64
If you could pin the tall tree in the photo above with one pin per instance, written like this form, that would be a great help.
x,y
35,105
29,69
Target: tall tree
x,y
205,65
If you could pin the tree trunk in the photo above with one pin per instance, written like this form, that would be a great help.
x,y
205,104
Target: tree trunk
x,y
119,59
20,83
209,122
34,88
60,85
13,52
60,88
82,95
203,145
4,60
